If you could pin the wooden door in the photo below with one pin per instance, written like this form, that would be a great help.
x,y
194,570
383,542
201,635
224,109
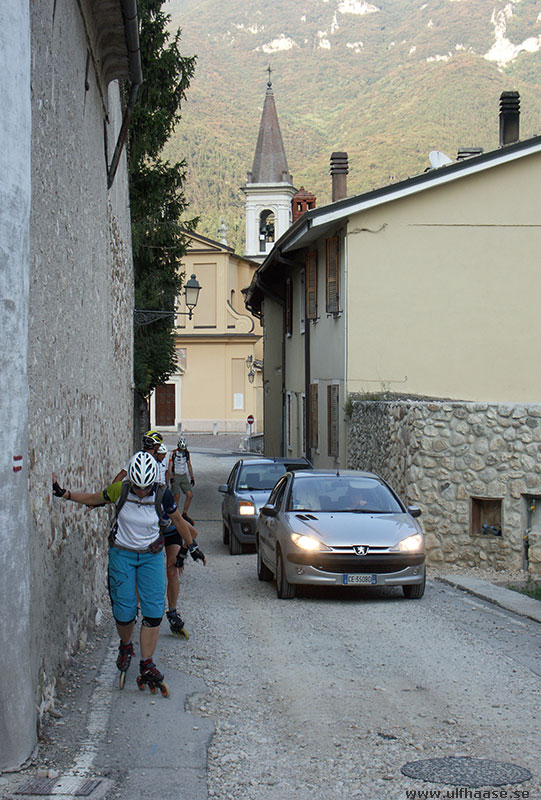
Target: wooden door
x,y
165,405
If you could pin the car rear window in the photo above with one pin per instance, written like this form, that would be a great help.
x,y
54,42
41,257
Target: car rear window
x,y
342,493
260,476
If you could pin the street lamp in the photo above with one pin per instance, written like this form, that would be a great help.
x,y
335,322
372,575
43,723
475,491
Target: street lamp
x,y
144,316
191,294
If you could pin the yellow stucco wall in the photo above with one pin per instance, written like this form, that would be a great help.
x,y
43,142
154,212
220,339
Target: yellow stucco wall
x,y
213,392
443,300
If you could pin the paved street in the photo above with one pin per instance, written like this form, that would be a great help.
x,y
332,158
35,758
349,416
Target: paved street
x,y
326,695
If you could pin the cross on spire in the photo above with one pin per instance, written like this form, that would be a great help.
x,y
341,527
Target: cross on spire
x,y
269,70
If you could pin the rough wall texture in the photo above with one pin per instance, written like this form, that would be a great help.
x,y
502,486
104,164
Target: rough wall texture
x,y
80,331
467,465
17,728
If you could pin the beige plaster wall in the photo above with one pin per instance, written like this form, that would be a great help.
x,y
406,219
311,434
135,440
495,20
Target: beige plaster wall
x,y
444,287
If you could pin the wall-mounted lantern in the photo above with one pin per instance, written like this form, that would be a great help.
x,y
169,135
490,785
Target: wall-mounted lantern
x,y
144,316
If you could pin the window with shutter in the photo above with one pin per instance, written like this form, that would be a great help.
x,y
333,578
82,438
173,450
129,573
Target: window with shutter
x,y
311,285
302,301
332,420
289,307
333,288
314,416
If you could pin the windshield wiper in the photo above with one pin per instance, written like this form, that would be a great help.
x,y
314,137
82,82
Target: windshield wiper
x,y
364,511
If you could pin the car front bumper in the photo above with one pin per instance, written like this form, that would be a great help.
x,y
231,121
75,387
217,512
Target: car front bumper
x,y
399,571
244,527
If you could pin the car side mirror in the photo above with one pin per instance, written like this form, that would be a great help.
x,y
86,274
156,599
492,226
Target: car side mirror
x,y
224,488
414,511
268,511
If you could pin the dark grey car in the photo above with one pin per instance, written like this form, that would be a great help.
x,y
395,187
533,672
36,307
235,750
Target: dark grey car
x,y
247,489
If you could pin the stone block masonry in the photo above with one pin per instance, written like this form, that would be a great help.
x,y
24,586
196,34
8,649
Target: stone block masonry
x,y
473,468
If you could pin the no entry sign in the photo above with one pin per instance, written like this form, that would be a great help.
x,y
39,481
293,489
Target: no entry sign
x,y
250,419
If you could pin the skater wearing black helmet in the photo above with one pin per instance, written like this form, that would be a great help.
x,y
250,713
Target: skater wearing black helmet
x,y
135,560
152,440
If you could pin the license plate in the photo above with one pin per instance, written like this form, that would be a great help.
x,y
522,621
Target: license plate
x,y
351,579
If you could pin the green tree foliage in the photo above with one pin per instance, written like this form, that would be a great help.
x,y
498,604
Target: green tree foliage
x,y
392,86
157,192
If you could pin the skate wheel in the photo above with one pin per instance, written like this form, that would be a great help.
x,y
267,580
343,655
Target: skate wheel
x,y
152,688
122,680
182,634
164,689
140,684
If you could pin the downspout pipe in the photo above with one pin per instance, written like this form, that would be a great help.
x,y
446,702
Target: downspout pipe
x,y
131,29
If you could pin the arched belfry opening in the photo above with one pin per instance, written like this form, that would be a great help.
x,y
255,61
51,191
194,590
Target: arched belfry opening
x,y
266,229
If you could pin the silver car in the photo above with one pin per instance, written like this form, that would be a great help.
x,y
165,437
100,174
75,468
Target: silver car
x,y
328,528
247,489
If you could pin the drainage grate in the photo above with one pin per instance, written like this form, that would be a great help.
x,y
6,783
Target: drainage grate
x,y
466,771
71,787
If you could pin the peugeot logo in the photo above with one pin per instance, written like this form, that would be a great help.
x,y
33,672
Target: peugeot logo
x,y
361,549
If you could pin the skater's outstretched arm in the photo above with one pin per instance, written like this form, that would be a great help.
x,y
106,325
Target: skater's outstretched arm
x,y
84,498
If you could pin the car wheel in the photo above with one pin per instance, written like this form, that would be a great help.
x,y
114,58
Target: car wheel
x,y
284,589
263,572
235,547
225,534
414,591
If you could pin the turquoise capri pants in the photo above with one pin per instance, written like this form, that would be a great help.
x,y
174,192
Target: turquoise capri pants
x,y
130,571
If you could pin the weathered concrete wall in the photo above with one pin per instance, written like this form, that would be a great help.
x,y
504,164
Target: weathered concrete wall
x,y
80,330
439,455
17,726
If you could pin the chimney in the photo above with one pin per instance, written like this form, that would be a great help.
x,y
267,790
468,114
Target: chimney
x,y
509,117
339,171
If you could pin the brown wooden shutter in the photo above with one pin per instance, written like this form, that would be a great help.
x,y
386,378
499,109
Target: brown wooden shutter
x,y
314,417
332,420
289,307
311,285
333,298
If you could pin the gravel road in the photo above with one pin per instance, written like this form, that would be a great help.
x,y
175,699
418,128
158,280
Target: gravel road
x,y
326,695
330,694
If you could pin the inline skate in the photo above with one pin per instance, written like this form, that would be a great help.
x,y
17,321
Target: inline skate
x,y
150,675
125,653
176,624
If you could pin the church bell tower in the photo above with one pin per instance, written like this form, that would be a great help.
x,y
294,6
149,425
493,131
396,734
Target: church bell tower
x,y
269,187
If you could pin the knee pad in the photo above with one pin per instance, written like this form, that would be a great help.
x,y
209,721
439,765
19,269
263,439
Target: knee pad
x,y
120,622
151,622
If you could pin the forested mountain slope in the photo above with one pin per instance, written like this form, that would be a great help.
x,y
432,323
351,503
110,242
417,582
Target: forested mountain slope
x,y
387,80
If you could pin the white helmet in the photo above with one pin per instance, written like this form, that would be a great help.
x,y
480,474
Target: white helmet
x,y
162,449
142,470
181,444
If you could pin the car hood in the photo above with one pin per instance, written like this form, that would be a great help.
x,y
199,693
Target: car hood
x,y
346,529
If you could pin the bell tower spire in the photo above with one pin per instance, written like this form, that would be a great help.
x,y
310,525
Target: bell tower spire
x,y
269,187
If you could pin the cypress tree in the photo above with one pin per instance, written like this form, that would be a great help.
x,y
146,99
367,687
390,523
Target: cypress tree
x,y
157,193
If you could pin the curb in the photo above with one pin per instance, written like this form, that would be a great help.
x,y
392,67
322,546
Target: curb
x,y
498,595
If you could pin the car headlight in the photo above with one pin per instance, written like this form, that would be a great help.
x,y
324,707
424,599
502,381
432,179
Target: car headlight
x,y
309,543
246,508
412,544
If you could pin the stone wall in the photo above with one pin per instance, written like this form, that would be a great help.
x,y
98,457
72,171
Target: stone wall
x,y
467,465
80,364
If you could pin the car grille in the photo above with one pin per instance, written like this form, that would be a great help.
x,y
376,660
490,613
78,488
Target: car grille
x,y
331,562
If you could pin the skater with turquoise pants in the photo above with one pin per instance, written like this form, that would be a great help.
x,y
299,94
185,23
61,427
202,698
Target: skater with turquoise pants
x,y
136,560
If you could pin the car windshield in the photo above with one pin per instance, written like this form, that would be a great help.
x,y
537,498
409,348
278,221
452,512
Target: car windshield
x,y
342,493
261,477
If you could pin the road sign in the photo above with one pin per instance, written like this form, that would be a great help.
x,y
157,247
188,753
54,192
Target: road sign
x,y
250,419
